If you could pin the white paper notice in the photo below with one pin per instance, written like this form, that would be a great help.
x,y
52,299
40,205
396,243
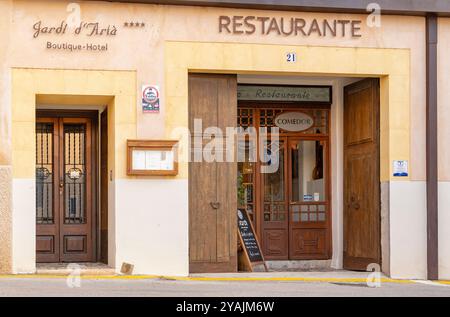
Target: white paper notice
x,y
138,160
152,160
167,160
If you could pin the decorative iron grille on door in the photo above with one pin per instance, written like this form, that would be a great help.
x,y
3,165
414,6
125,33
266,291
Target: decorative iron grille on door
x,y
44,173
64,189
74,173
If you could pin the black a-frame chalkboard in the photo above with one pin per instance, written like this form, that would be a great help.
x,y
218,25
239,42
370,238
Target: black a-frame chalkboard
x,y
249,240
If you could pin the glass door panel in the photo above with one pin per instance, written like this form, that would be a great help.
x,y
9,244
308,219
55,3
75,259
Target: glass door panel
x,y
75,171
308,177
274,191
275,188
246,179
44,173
308,202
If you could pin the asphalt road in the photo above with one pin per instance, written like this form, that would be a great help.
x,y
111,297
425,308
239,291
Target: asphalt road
x,y
169,288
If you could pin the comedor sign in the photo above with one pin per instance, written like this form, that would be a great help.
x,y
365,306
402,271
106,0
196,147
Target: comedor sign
x,y
294,121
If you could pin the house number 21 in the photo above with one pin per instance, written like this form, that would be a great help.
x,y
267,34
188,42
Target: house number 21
x,y
291,57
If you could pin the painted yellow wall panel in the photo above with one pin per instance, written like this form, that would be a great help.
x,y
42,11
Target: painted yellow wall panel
x,y
125,114
401,91
398,114
123,131
125,84
391,65
111,137
88,100
116,88
261,59
23,163
43,83
177,86
214,56
22,136
399,147
177,111
234,57
21,107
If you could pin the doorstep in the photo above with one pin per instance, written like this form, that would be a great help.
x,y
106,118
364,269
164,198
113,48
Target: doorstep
x,y
93,269
299,266
324,276
305,274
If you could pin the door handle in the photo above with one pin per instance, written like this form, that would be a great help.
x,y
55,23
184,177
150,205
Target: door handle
x,y
215,204
354,203
61,185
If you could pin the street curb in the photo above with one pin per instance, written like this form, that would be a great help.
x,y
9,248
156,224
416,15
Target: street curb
x,y
208,279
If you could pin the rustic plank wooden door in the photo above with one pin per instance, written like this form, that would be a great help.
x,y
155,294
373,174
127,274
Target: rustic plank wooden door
x,y
212,184
64,183
361,175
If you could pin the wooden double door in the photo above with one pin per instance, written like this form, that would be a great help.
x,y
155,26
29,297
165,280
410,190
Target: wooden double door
x,y
65,188
290,206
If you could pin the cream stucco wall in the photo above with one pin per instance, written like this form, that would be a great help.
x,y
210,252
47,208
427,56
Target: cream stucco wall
x,y
143,52
5,144
444,146
143,49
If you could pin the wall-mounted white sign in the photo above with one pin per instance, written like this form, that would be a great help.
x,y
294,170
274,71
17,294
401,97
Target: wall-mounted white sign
x,y
400,168
150,98
294,121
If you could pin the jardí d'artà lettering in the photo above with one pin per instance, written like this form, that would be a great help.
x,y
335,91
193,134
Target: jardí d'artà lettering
x,y
54,32
86,28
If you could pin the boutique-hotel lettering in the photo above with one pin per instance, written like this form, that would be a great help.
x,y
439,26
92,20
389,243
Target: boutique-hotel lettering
x,y
148,132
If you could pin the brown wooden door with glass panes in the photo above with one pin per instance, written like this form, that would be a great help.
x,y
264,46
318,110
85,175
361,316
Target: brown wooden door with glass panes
x,y
63,190
289,205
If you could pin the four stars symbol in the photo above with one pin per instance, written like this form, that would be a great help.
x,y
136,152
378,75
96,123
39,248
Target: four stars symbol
x,y
134,24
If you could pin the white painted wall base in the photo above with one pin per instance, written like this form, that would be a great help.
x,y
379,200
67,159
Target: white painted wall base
x,y
149,230
408,229
152,227
24,225
444,230
385,229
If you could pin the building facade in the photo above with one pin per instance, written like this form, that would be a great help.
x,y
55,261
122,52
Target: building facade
x,y
359,99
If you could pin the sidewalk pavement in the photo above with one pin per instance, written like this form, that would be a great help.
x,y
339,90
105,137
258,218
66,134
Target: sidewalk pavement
x,y
341,276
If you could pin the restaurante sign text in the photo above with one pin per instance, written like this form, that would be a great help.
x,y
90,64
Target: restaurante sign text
x,y
289,26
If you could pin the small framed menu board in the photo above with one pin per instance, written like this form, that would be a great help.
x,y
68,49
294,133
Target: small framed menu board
x,y
152,157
